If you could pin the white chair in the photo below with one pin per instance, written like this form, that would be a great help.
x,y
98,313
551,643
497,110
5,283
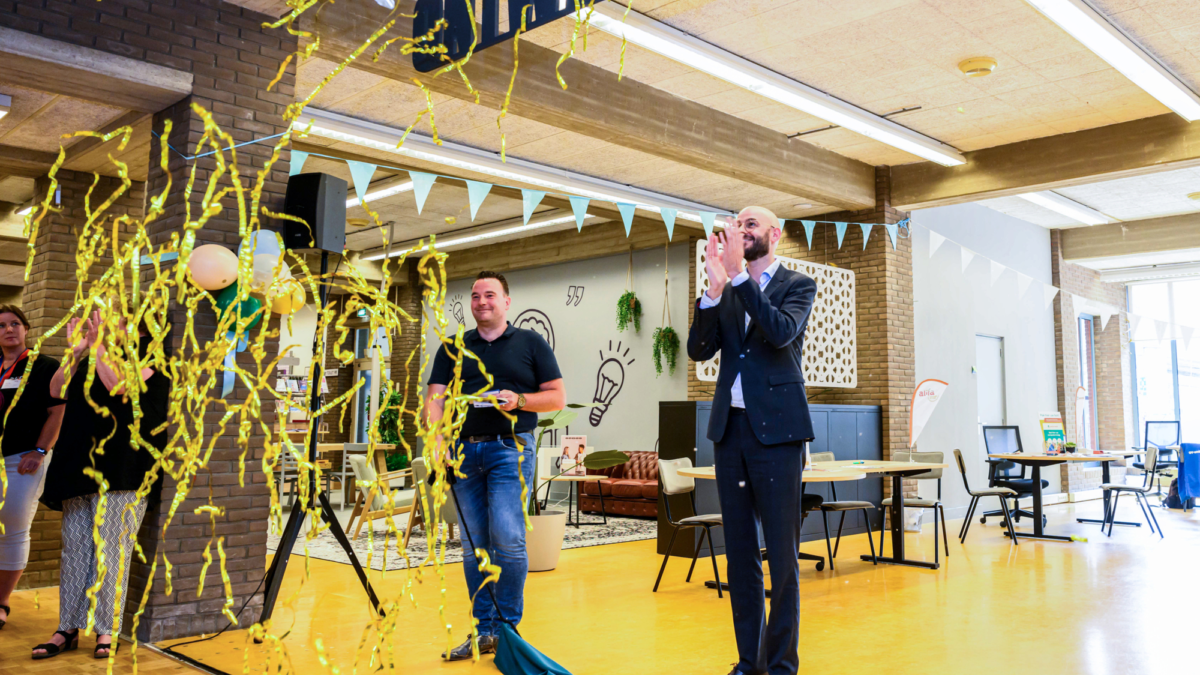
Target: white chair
x,y
674,484
448,512
370,502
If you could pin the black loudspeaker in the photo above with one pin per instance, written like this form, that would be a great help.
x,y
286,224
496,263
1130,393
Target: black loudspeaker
x,y
320,200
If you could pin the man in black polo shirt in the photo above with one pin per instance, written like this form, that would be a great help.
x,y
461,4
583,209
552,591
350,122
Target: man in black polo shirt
x,y
525,382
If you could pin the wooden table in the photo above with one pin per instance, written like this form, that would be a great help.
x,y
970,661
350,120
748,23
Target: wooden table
x,y
381,451
1036,462
575,494
816,474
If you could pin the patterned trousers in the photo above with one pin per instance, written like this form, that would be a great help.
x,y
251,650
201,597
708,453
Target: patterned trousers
x,y
80,561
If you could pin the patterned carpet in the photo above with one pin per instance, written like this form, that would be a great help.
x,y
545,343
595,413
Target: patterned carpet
x,y
618,530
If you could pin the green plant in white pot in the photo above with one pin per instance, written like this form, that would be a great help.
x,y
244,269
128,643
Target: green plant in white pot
x,y
544,541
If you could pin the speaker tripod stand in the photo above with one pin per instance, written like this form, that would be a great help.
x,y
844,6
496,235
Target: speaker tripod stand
x,y
274,578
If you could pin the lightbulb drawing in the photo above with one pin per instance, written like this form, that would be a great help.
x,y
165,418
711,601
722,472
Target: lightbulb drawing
x,y
536,321
609,380
456,308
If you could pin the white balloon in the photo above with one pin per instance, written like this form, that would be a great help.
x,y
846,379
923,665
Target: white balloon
x,y
264,271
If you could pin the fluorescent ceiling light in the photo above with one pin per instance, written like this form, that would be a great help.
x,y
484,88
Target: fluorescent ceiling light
x,y
380,194
465,158
1067,207
500,230
5,105
662,39
1106,41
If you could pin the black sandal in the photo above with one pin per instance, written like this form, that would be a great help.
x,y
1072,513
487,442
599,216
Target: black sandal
x,y
112,647
7,612
52,649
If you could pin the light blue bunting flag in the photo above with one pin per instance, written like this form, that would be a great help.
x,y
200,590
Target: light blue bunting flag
x,y
708,218
361,173
476,192
893,230
422,184
841,232
297,163
809,226
626,215
866,228
579,208
529,201
668,216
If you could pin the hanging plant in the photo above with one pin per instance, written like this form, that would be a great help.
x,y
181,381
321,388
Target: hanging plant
x,y
629,310
666,342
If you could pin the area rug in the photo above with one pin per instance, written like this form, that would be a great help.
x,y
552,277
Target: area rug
x,y
325,547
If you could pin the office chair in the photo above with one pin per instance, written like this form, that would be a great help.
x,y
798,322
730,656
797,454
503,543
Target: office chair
x,y
1006,474
1162,436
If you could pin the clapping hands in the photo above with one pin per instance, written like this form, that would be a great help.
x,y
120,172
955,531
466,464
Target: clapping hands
x,y
82,335
724,257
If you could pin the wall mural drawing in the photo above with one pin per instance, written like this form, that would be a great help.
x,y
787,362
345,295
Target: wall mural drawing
x,y
609,380
574,295
536,321
456,308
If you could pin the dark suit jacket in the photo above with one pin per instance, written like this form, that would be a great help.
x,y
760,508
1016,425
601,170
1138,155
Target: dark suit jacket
x,y
767,354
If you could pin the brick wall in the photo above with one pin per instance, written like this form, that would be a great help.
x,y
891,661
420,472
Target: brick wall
x,y
406,345
232,58
1112,369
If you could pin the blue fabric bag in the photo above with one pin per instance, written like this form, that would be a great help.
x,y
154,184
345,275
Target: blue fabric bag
x,y
1189,471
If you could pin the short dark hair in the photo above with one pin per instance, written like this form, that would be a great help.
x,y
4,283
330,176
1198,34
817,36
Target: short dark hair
x,y
487,274
13,309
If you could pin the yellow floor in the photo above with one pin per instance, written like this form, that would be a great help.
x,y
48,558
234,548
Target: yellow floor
x,y
1109,606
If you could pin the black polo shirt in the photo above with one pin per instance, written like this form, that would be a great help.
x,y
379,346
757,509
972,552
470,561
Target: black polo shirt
x,y
27,419
519,360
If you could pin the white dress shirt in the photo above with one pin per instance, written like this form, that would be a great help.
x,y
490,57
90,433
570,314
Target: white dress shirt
x,y
735,392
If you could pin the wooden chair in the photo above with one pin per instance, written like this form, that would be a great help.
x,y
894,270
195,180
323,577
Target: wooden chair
x,y
448,514
370,503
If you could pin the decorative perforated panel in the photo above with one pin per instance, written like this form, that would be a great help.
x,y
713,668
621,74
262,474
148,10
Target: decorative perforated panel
x,y
830,356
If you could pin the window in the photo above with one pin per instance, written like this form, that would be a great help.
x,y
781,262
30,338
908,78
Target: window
x,y
1166,372
1085,409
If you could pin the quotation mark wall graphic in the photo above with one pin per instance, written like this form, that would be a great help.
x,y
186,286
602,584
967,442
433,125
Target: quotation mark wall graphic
x,y
609,380
536,321
574,296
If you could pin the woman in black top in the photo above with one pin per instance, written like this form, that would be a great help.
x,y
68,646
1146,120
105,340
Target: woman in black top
x,y
26,441
124,466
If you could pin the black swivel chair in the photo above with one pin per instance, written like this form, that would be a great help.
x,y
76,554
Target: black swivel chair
x,y
1161,435
1006,474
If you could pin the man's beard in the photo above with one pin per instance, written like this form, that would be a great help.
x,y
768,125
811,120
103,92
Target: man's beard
x,y
758,249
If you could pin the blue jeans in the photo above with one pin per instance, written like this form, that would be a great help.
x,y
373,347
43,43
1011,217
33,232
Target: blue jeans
x,y
489,503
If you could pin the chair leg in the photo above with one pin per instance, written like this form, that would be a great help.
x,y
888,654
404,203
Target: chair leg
x,y
828,547
837,544
962,536
1155,519
1137,497
1112,517
936,559
870,537
712,555
945,531
666,557
696,553
1008,522
412,519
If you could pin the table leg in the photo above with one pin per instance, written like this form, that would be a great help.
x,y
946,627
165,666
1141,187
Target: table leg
x,y
1039,532
1105,478
897,525
604,513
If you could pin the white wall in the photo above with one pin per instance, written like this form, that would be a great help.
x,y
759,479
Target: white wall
x,y
951,307
300,340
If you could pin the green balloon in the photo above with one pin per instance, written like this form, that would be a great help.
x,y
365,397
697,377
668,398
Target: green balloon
x,y
246,308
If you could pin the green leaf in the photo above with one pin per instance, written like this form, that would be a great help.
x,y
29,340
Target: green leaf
x,y
557,419
604,459
584,405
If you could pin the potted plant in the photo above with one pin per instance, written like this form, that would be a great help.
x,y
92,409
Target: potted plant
x,y
1069,447
544,542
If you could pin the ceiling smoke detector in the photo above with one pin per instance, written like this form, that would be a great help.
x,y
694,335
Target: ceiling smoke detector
x,y
978,66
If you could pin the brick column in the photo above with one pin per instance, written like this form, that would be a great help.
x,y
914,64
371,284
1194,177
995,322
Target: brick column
x,y
408,297
46,299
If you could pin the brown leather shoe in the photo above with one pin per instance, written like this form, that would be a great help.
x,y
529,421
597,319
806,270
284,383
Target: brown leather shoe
x,y
487,645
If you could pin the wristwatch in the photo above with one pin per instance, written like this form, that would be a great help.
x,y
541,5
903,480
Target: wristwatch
x,y
42,451
520,400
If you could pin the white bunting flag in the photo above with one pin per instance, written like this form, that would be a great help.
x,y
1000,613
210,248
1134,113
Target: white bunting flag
x,y
1160,329
1105,313
1048,293
935,242
1134,321
996,270
967,256
1185,332
476,193
1023,282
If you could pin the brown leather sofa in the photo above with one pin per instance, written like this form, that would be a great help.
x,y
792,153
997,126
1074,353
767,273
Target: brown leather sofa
x,y
630,489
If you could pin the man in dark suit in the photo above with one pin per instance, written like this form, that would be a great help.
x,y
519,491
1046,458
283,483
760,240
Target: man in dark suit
x,y
756,317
